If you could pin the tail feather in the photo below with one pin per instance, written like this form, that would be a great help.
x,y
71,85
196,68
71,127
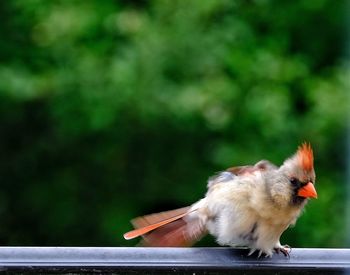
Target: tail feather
x,y
168,235
170,228
143,230
146,220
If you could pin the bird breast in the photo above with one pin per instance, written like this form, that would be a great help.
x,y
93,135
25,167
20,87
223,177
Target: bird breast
x,y
239,213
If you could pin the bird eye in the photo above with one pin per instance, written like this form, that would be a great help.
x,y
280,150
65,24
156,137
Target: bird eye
x,y
293,181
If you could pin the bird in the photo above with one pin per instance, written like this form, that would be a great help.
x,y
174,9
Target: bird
x,y
245,206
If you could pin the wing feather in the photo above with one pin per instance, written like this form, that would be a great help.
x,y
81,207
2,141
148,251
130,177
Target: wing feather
x,y
232,172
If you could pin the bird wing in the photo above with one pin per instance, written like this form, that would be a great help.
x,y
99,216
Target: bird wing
x,y
220,177
232,172
262,165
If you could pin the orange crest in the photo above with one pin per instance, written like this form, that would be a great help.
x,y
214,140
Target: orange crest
x,y
306,156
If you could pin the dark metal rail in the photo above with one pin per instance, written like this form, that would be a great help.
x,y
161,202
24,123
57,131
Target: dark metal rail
x,y
140,260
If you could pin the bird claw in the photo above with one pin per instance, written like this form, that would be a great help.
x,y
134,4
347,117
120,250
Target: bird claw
x,y
261,253
251,252
284,249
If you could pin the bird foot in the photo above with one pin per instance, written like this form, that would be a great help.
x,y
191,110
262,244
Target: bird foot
x,y
284,249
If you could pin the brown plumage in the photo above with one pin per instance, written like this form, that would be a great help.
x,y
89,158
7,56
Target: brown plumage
x,y
167,228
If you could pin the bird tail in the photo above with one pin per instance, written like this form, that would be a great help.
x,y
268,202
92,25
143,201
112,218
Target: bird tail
x,y
175,228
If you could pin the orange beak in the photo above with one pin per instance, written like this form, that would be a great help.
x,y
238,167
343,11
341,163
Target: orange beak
x,y
308,191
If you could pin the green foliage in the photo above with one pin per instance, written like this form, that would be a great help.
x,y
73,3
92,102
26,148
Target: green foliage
x,y
112,109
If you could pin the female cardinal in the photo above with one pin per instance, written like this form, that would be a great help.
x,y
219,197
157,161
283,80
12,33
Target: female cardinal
x,y
247,206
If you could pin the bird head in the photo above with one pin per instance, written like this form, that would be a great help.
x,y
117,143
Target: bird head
x,y
294,181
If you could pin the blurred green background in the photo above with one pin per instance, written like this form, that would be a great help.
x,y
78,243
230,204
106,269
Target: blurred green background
x,y
113,109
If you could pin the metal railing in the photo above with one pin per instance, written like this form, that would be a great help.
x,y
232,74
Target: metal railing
x,y
140,260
